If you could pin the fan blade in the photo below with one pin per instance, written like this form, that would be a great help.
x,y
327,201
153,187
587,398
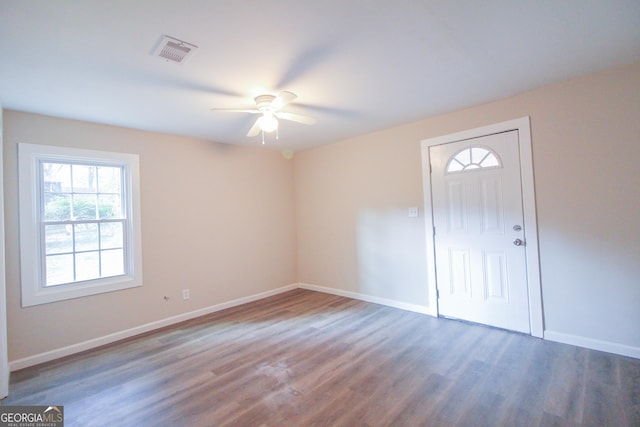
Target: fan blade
x,y
237,110
283,99
255,129
298,118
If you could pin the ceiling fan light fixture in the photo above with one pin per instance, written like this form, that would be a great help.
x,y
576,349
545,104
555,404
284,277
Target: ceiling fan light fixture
x,y
268,122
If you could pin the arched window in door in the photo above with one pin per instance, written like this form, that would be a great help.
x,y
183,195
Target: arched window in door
x,y
473,158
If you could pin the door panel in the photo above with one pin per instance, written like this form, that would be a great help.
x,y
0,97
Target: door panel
x,y
477,201
491,202
459,268
457,206
495,275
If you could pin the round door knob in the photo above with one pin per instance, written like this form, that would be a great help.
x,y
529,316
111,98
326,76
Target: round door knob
x,y
518,242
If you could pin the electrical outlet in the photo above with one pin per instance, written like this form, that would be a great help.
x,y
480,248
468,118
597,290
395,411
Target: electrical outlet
x,y
413,212
186,294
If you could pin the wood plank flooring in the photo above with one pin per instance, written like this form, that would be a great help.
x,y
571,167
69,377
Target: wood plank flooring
x,y
304,358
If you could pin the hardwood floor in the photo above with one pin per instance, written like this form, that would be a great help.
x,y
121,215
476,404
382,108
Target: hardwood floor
x,y
310,359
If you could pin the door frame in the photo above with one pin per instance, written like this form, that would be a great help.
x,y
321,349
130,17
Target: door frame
x,y
4,364
534,289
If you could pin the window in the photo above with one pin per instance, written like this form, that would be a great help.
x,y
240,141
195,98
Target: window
x,y
79,223
473,158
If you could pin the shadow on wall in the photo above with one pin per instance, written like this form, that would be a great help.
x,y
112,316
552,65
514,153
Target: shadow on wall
x,y
392,256
590,283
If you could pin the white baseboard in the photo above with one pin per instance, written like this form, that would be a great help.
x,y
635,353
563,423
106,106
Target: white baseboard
x,y
368,298
107,339
18,364
606,346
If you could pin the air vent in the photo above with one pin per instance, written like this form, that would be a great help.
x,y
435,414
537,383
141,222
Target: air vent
x,y
174,50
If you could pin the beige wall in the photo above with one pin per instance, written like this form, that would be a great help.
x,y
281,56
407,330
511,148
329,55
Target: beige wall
x,y
217,219
352,199
354,233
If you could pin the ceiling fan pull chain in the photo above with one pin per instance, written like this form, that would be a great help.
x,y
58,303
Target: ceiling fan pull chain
x,y
277,136
262,137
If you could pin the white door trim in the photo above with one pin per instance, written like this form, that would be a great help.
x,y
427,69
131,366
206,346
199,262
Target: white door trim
x,y
4,364
523,127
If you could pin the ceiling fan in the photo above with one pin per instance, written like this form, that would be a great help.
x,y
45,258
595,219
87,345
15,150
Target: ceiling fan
x,y
269,107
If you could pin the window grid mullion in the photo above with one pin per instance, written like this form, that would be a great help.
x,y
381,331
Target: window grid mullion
x,y
84,221
40,219
73,227
73,246
99,247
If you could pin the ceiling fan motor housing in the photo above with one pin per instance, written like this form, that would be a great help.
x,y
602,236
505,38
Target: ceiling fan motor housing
x,y
263,102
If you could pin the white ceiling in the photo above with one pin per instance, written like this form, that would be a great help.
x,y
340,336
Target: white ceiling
x,y
357,65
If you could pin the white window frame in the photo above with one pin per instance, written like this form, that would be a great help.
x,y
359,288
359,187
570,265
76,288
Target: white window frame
x,y
31,240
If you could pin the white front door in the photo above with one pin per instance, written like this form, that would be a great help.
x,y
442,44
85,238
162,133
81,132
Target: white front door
x,y
481,270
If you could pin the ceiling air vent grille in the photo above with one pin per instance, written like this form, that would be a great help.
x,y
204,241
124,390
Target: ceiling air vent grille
x,y
174,50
